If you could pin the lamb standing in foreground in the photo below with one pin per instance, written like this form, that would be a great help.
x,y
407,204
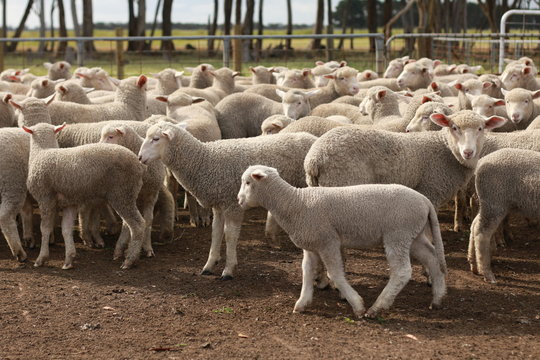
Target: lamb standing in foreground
x,y
508,179
70,177
352,217
211,173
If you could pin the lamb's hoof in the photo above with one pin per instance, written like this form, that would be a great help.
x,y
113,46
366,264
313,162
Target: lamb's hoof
x,y
118,254
166,237
206,272
371,314
435,306
67,266
299,309
39,263
225,277
490,278
21,256
128,264
207,221
149,253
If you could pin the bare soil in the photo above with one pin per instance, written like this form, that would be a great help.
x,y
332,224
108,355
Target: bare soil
x,y
163,308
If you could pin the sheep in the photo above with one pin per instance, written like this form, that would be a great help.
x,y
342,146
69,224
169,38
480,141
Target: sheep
x,y
69,177
381,104
415,76
390,83
58,70
328,219
129,104
153,177
436,164
444,69
168,81
7,114
422,121
521,107
211,173
241,115
472,87
367,75
496,85
485,105
223,85
443,88
275,123
519,76
266,90
527,61
351,100
200,76
14,88
313,125
298,79
96,78
350,111
10,75
72,91
535,124
506,180
42,87
467,69
262,75
395,67
320,70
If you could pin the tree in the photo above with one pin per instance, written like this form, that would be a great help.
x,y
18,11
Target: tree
x,y
213,28
247,29
329,30
260,29
88,26
154,23
62,28
488,8
41,14
344,16
13,45
166,25
350,12
372,21
289,25
316,43
227,5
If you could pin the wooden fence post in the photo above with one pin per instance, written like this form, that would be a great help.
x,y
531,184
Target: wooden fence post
x,y
119,54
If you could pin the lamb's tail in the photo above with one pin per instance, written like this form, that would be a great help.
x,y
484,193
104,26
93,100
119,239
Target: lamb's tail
x,y
437,238
311,167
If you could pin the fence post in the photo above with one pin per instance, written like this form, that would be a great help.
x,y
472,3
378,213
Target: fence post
x,y
379,55
237,49
80,53
2,47
119,54
226,51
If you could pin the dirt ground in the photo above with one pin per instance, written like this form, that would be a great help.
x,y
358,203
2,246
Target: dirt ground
x,y
163,308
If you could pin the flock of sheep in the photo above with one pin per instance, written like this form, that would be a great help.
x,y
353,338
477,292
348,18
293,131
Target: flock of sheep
x,y
339,158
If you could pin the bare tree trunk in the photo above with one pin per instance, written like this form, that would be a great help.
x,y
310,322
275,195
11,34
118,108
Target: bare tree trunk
x,y
260,30
316,43
227,20
329,30
213,28
61,29
141,24
389,23
488,8
372,22
237,43
88,26
344,21
42,30
132,24
13,45
166,25
387,15
154,24
52,25
248,29
289,25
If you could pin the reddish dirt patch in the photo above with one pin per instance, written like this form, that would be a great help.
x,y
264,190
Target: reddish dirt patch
x,y
164,309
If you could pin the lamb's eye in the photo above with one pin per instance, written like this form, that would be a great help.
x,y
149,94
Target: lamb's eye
x,y
342,78
247,182
299,103
480,128
155,139
454,127
111,137
526,101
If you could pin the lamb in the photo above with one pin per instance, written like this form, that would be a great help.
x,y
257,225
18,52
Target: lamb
x,y
96,78
350,111
129,104
58,70
395,67
356,217
211,173
7,114
535,124
467,69
442,88
72,91
14,88
298,79
367,75
11,75
519,76
506,180
223,85
521,107
42,87
320,70
415,76
152,182
496,85
169,80
472,87
69,177
241,115
444,69
200,76
390,83
313,125
422,121
487,106
275,123
436,164
381,104
262,75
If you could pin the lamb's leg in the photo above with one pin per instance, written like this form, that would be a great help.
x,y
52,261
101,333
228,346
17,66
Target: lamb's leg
x,y
165,207
198,216
8,214
424,251
147,208
84,225
68,219
111,221
233,224
400,272
48,216
310,264
218,227
27,215
272,230
134,221
459,209
331,257
486,226
122,242
471,253
95,226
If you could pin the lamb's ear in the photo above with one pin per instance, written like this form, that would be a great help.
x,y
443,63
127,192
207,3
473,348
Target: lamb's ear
x,y
306,72
499,102
61,65
258,175
203,67
168,133
178,74
434,85
49,99
504,91
342,63
452,68
88,89
380,94
312,92
436,63
319,63
440,119
59,128
114,81
63,89
329,76
536,94
79,74
15,105
44,82
367,75
526,70
7,97
14,78
280,93
120,131
28,130
162,98
47,65
196,100
271,69
486,84
426,99
476,68
235,74
278,124
252,69
141,81
494,122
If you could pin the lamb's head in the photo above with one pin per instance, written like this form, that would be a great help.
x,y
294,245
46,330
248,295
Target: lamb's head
x,y
274,124
262,74
296,78
466,133
253,178
157,140
117,134
471,86
467,69
33,110
395,67
177,100
296,102
96,78
519,103
422,121
377,96
44,135
319,72
69,90
345,81
43,87
515,75
58,70
169,79
13,75
484,104
367,75
496,85
224,77
414,76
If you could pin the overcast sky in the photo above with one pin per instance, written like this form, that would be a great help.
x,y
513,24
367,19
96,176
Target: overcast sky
x,y
185,11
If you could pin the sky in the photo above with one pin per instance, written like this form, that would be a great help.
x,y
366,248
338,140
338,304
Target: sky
x,y
185,11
